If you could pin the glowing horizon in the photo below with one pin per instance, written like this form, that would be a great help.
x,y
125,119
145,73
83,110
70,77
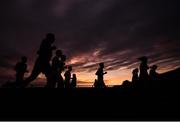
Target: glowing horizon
x,y
114,77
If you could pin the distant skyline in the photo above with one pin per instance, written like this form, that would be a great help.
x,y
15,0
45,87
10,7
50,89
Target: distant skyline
x,y
92,31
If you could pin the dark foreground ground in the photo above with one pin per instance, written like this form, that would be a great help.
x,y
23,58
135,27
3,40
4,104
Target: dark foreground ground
x,y
88,104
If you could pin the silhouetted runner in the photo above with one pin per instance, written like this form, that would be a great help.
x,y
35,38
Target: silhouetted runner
x,y
143,68
58,66
21,69
143,76
135,75
42,63
62,67
68,77
153,74
100,76
74,81
56,69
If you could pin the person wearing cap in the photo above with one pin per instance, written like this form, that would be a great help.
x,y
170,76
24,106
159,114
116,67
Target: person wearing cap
x,y
143,76
143,68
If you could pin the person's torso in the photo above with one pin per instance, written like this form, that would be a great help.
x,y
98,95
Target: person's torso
x,y
21,67
55,64
143,69
67,75
45,51
61,66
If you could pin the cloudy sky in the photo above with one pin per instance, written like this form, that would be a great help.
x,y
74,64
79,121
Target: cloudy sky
x,y
116,32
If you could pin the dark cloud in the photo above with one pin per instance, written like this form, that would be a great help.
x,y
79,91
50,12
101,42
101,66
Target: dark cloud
x,y
113,31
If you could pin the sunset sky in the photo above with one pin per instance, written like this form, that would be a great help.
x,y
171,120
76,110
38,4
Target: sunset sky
x,y
115,32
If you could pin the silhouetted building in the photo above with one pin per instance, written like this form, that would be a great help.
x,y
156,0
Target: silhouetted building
x,y
21,69
170,81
